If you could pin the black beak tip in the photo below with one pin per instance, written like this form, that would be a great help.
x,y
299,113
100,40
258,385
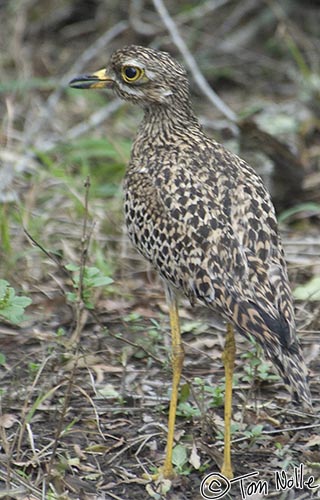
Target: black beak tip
x,y
81,82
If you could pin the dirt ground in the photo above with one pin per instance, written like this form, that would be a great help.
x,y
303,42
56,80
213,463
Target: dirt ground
x,y
85,381
90,420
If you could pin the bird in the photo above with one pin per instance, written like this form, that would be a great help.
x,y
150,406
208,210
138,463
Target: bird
x,y
205,221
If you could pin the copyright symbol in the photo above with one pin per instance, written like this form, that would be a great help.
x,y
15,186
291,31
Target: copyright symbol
x,y
214,485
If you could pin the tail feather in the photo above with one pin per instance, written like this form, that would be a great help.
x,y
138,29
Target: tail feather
x,y
281,346
275,331
292,368
290,364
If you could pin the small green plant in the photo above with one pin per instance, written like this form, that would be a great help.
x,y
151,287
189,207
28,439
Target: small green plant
x,y
235,428
12,307
206,396
150,340
5,242
213,395
132,317
285,456
254,433
61,333
91,278
33,367
188,410
180,460
256,368
2,359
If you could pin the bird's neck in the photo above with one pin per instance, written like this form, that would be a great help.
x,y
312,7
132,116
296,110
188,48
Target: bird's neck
x,y
168,123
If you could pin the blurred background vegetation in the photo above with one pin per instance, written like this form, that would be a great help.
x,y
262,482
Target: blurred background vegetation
x,y
260,56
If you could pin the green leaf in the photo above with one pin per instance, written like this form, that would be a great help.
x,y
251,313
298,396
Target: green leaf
x,y
102,281
308,208
72,267
185,409
257,430
71,296
179,456
91,272
216,394
184,393
22,301
308,291
12,307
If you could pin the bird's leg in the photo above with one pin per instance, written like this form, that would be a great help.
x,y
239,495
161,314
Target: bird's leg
x,y
228,359
177,362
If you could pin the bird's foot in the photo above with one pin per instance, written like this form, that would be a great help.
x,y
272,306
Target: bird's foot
x,y
160,482
163,472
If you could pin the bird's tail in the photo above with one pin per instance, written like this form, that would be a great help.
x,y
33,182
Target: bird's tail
x,y
292,368
282,347
277,337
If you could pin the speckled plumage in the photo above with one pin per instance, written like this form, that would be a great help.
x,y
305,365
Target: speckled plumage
x,y
202,216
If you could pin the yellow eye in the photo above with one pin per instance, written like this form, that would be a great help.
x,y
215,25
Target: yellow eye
x,y
131,74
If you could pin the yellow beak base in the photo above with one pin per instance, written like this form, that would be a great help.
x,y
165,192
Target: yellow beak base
x,y
98,80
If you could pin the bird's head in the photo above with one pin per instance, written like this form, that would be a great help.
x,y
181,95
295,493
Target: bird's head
x,y
141,75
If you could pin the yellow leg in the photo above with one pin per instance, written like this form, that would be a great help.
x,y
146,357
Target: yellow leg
x,y
228,359
177,362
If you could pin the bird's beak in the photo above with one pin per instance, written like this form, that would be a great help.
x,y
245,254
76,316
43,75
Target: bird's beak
x,y
98,80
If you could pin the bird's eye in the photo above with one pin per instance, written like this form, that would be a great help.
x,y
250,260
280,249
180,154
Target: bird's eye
x,y
131,73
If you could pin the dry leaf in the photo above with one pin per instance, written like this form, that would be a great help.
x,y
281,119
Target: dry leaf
x,y
7,420
194,459
313,441
79,452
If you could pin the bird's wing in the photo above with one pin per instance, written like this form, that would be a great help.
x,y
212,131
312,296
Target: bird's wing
x,y
226,246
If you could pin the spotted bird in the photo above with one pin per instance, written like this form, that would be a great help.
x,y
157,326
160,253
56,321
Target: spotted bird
x,y
203,218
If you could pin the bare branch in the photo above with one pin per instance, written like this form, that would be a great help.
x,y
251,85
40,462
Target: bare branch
x,y
191,62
